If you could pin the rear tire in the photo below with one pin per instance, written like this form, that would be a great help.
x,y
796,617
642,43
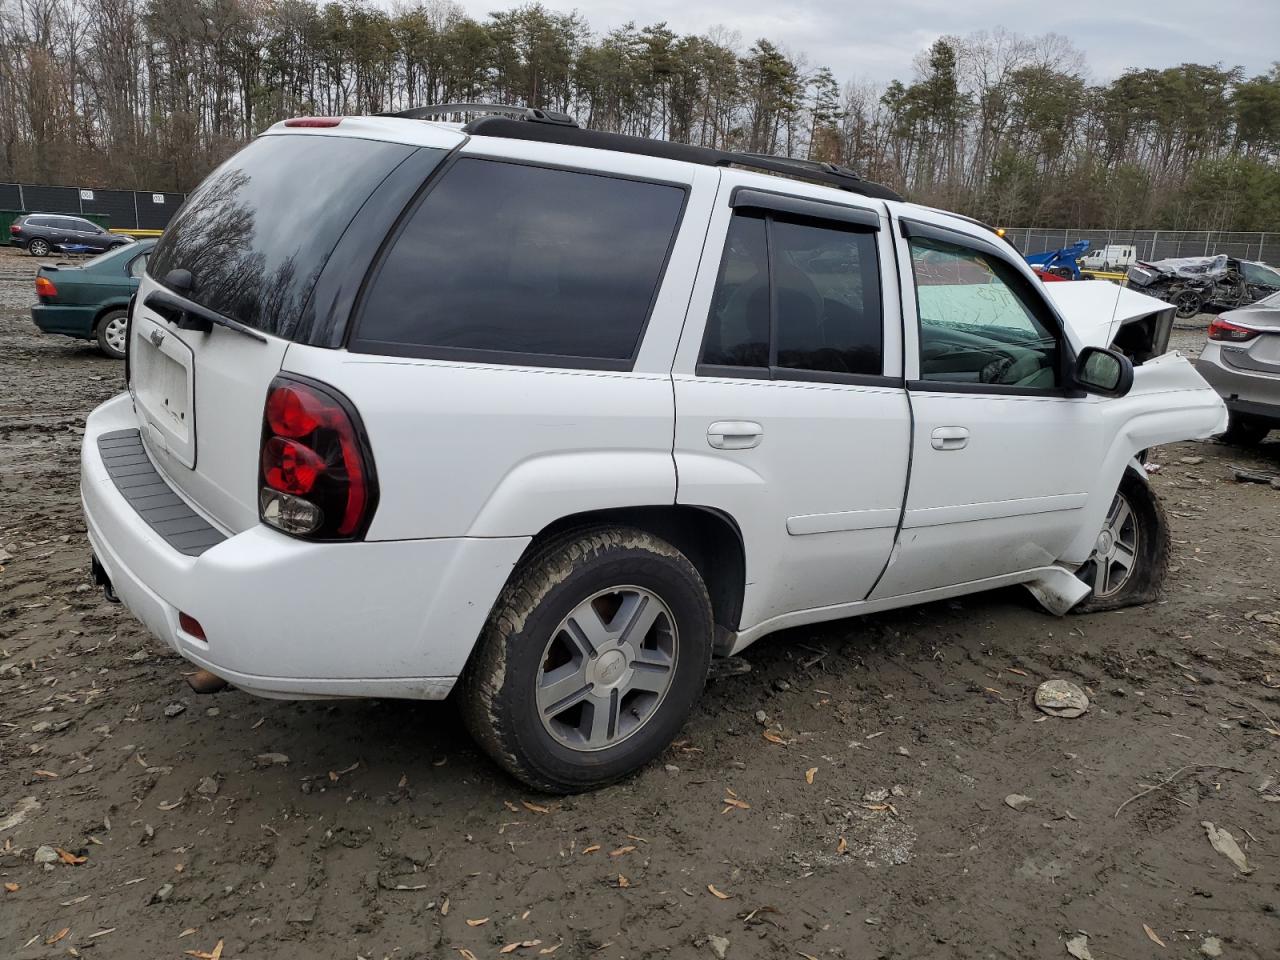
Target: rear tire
x,y
564,690
38,247
1244,431
1135,533
111,333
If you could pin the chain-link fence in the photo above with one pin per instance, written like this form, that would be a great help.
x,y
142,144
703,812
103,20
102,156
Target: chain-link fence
x,y
124,209
1155,244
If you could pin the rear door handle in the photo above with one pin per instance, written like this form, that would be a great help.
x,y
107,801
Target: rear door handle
x,y
949,438
735,434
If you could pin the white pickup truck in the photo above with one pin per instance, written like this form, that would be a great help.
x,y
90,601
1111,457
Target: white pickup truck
x,y
547,417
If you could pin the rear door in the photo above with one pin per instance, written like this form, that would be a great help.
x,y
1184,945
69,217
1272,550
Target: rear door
x,y
64,231
791,412
255,238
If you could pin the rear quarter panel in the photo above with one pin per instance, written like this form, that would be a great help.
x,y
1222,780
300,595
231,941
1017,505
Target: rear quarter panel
x,y
487,450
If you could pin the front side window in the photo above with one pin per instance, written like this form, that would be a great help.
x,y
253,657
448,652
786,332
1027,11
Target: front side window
x,y
979,321
820,282
515,263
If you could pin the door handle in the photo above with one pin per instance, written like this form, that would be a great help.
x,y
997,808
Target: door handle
x,y
949,438
735,434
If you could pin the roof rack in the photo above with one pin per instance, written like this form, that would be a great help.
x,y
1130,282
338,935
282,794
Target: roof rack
x,y
532,114
550,126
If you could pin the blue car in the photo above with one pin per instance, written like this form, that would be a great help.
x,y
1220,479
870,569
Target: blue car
x,y
90,301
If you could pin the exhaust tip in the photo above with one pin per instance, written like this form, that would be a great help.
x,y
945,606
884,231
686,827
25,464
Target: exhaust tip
x,y
204,682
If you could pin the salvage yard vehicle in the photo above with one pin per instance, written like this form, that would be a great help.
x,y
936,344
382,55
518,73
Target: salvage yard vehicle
x,y
1196,284
1113,256
41,234
1059,263
547,417
1242,362
90,300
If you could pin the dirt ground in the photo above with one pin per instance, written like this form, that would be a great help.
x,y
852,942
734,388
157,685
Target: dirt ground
x,y
385,834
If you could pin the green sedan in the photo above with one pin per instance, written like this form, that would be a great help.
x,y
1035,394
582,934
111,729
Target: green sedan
x,y
91,300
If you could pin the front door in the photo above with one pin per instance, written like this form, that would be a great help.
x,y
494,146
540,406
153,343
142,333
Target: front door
x,y
1004,454
790,410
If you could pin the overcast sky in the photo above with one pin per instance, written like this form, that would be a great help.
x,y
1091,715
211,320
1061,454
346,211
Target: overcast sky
x,y
877,40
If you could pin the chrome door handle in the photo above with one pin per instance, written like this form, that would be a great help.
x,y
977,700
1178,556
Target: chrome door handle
x,y
949,438
735,434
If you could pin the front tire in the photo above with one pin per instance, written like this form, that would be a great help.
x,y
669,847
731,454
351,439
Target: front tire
x,y
591,661
112,333
1131,556
38,247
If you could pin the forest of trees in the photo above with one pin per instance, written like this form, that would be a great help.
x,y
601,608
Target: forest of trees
x,y
154,93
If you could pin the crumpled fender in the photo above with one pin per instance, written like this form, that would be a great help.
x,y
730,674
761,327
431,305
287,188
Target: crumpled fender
x,y
1169,401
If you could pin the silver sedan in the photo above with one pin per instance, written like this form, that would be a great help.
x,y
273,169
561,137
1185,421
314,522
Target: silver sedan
x,y
1242,362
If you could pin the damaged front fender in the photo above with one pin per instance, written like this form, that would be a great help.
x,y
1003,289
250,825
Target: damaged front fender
x,y
1169,401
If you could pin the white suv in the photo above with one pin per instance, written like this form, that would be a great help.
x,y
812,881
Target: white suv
x,y
552,416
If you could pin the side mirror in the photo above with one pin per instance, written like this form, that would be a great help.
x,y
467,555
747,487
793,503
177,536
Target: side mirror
x,y
1105,372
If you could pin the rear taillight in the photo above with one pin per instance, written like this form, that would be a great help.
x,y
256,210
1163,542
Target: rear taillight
x,y
316,468
15,228
45,287
191,626
1231,332
313,122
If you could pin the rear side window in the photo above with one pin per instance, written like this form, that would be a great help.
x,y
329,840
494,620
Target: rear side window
x,y
512,263
820,281
257,232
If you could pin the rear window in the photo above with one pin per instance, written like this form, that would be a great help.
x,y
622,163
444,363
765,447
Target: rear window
x,y
257,232
513,263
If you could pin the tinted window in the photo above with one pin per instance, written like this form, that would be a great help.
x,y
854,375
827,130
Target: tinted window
x,y
738,327
825,289
979,321
66,223
256,233
519,260
828,298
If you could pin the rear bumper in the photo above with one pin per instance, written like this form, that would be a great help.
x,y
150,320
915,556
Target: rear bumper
x,y
1244,391
286,618
70,321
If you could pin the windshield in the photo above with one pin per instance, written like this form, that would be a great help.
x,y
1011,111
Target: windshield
x,y
257,232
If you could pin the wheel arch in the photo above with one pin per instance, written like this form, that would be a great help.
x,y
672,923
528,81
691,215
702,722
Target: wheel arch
x,y
108,308
710,538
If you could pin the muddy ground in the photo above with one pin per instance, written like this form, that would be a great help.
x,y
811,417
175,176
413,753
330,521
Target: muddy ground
x,y
386,834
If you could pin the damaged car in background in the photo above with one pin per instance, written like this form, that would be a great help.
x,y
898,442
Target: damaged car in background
x,y
1199,284
556,480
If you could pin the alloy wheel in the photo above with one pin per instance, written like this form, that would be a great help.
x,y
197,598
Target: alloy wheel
x,y
1115,554
607,668
115,331
38,248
